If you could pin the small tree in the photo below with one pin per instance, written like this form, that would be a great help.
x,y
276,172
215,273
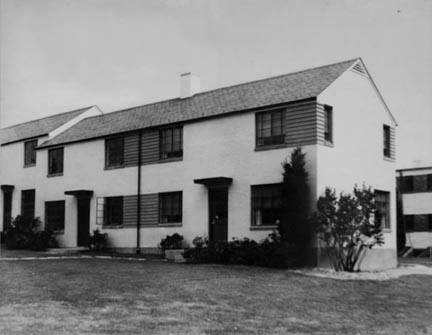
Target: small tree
x,y
294,227
347,227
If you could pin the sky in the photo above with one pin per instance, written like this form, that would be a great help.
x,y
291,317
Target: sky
x,y
60,55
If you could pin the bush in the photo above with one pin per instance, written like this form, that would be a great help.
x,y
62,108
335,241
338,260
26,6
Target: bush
x,y
271,252
24,233
347,227
98,241
174,241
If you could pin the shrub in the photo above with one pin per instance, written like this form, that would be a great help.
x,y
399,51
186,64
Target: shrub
x,y
174,241
271,252
24,233
98,241
347,227
294,227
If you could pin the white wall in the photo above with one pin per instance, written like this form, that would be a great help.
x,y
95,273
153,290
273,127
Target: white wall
x,y
357,154
212,148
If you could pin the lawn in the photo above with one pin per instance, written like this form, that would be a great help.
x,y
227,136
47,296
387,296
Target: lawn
x,y
92,296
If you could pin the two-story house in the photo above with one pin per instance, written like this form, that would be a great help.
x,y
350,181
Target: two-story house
x,y
415,203
209,163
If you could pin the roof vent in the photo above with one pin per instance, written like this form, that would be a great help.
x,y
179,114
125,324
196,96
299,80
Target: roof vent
x,y
359,69
189,85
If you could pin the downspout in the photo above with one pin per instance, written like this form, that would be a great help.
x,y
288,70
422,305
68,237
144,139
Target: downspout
x,y
138,237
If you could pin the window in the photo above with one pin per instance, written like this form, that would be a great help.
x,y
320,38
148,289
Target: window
x,y
55,161
266,204
170,207
55,215
409,223
418,223
429,182
408,183
382,214
30,153
114,151
171,143
28,203
328,124
386,131
113,211
270,128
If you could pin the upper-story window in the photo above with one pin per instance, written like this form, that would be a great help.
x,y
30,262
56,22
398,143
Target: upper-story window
x,y
171,142
382,214
170,207
55,161
270,128
387,141
114,151
266,204
328,124
30,153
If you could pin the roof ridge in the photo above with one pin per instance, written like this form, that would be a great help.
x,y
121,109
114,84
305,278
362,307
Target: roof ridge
x,y
225,87
280,75
47,117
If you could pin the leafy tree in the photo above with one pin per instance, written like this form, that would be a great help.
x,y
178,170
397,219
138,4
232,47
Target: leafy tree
x,y
347,227
294,226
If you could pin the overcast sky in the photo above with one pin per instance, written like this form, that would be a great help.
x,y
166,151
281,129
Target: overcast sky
x,y
59,55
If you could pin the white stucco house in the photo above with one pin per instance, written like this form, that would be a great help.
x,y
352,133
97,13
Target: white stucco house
x,y
415,203
205,163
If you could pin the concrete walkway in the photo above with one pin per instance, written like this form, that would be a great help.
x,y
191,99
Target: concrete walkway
x,y
12,255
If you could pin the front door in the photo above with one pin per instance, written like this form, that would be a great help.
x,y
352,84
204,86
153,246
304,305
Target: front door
x,y
218,214
83,221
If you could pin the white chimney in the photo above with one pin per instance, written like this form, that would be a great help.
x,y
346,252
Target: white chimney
x,y
189,85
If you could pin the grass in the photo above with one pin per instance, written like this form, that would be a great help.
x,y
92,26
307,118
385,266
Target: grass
x,y
91,296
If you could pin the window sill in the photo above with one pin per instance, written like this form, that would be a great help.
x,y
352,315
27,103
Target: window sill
x,y
58,232
386,230
29,165
388,159
112,227
167,225
114,167
328,144
272,227
415,192
54,175
169,160
271,147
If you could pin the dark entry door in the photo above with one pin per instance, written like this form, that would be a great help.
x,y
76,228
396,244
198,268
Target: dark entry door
x,y
218,214
83,221
7,210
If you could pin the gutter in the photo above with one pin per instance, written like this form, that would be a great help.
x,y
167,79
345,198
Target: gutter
x,y
138,226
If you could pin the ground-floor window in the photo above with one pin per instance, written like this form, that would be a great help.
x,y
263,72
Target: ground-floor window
x,y
170,207
418,223
382,214
113,211
55,215
266,204
28,203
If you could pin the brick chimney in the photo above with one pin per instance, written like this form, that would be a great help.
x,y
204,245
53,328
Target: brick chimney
x,y
189,85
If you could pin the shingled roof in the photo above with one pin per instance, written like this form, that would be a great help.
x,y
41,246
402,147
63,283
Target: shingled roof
x,y
266,92
37,128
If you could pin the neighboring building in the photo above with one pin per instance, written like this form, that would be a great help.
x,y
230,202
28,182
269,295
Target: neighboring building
x,y
415,201
210,163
